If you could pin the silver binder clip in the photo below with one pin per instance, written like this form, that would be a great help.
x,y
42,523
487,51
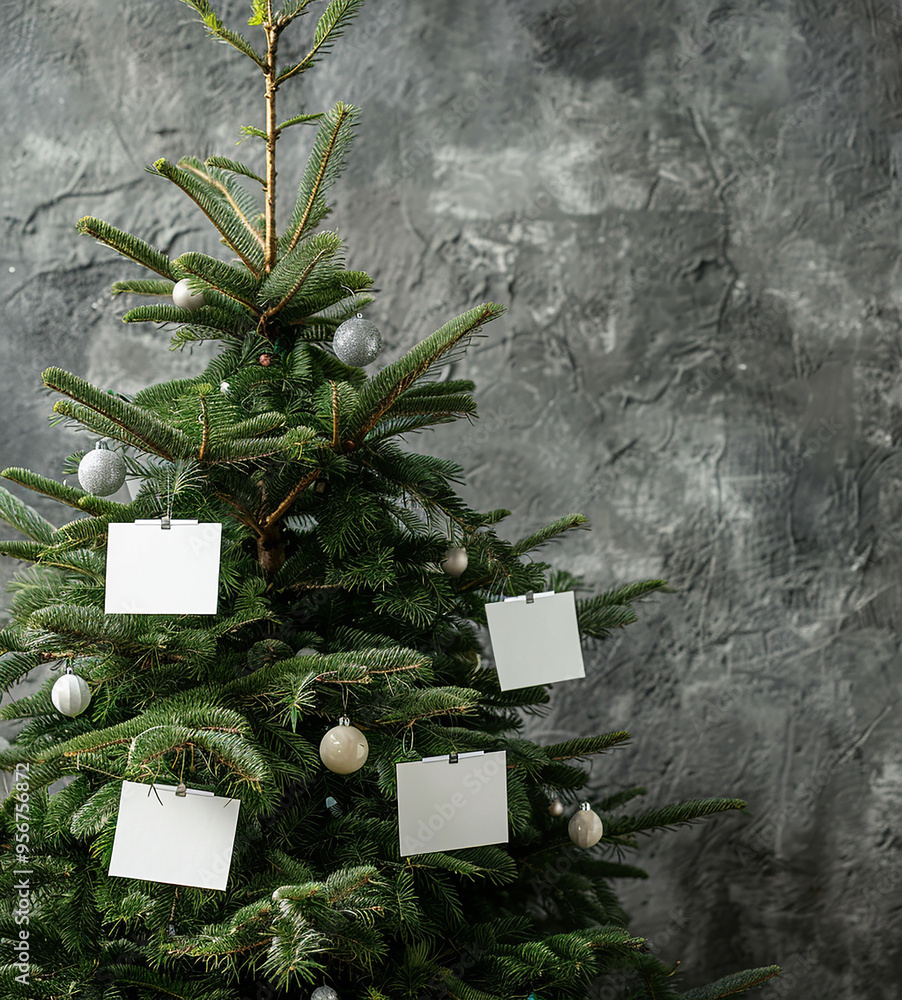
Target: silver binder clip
x,y
530,597
181,791
166,523
453,758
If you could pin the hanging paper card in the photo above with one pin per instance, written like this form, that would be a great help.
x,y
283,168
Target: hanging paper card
x,y
535,642
180,840
444,806
152,570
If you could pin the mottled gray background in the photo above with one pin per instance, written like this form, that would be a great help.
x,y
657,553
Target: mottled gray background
x,y
692,210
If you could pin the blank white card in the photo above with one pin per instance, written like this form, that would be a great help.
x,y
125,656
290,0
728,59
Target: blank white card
x,y
163,837
152,570
445,807
535,643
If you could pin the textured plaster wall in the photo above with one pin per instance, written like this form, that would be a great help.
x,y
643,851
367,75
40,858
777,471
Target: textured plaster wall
x,y
692,210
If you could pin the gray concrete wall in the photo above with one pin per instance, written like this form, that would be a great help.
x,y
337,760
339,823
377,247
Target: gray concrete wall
x,y
692,211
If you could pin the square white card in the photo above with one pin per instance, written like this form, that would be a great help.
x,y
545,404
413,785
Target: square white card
x,y
535,643
163,837
445,807
151,570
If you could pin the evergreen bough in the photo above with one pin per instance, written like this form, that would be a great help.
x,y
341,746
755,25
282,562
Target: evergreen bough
x,y
330,597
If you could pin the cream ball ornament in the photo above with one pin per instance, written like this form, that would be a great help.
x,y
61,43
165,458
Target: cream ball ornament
x,y
585,827
184,298
455,561
344,748
101,472
555,808
70,695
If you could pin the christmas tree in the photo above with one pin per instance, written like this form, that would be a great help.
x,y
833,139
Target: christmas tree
x,y
351,582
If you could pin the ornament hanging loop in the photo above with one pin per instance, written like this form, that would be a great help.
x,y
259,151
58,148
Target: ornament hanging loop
x,y
351,291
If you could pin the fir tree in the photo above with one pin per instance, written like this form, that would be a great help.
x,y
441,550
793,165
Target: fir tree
x,y
331,600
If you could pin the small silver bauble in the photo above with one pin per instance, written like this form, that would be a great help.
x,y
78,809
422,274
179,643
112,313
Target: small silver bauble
x,y
455,561
101,472
324,993
357,342
184,298
344,748
585,828
224,388
556,807
70,695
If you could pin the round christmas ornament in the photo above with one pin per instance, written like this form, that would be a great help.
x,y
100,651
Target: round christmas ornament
x,y
585,827
101,472
455,561
265,360
324,993
224,388
556,807
357,342
184,298
70,695
344,748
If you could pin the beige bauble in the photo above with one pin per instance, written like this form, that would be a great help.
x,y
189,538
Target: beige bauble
x,y
585,827
184,298
70,695
555,808
455,561
344,748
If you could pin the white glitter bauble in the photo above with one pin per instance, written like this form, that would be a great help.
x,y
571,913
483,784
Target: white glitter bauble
x,y
70,695
455,561
357,342
585,828
184,298
344,748
324,993
101,472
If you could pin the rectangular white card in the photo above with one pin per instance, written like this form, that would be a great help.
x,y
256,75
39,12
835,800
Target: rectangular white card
x,y
445,807
535,643
163,837
151,570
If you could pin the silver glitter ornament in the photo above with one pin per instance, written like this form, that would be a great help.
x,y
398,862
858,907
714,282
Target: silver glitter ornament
x,y
184,298
324,993
455,561
344,748
357,342
585,828
101,472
